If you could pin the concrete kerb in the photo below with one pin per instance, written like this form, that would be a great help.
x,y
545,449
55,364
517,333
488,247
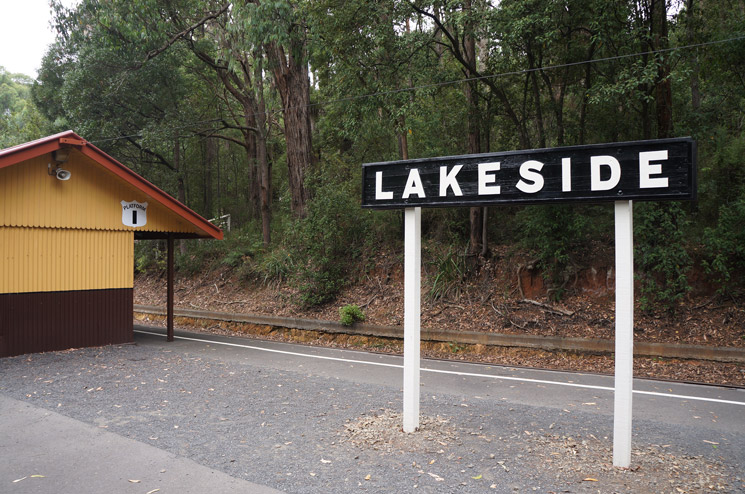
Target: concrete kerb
x,y
549,343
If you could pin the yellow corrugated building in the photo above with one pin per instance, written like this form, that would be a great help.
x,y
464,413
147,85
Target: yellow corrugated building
x,y
69,215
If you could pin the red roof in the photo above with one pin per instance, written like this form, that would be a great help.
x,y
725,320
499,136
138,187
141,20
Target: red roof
x,y
13,155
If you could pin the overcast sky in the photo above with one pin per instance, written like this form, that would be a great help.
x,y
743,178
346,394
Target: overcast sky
x,y
25,34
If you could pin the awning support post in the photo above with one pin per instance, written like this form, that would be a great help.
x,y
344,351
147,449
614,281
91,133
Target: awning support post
x,y
169,291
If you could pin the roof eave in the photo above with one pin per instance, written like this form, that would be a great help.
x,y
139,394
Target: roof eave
x,y
49,144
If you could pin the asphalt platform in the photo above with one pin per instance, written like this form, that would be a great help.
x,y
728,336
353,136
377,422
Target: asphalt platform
x,y
196,417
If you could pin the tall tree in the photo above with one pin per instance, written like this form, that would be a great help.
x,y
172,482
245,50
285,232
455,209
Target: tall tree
x,y
20,120
280,29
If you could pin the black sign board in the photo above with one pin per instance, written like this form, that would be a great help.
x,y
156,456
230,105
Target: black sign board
x,y
662,169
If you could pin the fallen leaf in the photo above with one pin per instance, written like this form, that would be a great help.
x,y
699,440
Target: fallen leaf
x,y
368,476
477,477
589,479
436,477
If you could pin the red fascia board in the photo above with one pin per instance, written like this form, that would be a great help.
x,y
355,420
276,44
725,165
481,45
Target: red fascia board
x,y
22,153
28,150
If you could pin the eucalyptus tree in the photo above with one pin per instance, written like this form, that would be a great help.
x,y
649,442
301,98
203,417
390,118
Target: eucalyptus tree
x,y
370,55
122,73
280,29
20,120
459,28
91,79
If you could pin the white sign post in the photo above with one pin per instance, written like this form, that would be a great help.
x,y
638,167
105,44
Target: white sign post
x,y
412,315
624,358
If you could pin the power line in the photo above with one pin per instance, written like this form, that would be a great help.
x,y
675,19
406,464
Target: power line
x,y
527,71
453,82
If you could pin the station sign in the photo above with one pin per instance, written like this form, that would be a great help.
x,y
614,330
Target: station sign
x,y
663,169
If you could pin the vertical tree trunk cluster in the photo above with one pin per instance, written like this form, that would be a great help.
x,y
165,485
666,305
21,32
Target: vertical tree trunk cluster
x,y
663,93
290,71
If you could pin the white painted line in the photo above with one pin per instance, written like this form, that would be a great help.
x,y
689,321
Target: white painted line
x,y
685,397
284,352
455,373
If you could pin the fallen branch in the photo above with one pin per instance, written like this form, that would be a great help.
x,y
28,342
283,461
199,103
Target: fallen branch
x,y
369,301
516,324
711,299
497,310
547,308
503,315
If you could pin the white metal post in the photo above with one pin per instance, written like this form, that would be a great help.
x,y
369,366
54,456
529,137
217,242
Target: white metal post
x,y
624,334
412,314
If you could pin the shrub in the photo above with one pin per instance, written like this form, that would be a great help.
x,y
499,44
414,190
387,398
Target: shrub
x,y
660,254
449,272
725,246
148,256
350,314
328,241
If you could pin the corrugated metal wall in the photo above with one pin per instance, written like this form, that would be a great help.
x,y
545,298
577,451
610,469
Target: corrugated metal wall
x,y
91,199
40,322
51,260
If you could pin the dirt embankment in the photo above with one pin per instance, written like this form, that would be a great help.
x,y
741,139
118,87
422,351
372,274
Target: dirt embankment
x,y
506,296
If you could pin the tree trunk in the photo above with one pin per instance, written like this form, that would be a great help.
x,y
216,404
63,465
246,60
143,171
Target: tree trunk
x,y
253,175
695,67
179,184
291,76
477,227
403,140
533,76
265,191
663,93
586,85
209,159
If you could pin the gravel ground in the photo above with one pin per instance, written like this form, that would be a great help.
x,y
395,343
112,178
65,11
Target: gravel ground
x,y
304,433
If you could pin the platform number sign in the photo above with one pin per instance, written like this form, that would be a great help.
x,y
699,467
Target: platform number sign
x,y
134,213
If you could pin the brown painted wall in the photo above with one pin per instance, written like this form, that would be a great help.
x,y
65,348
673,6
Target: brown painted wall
x,y
46,321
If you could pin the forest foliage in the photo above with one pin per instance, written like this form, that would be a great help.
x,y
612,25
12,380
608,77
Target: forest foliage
x,y
265,110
